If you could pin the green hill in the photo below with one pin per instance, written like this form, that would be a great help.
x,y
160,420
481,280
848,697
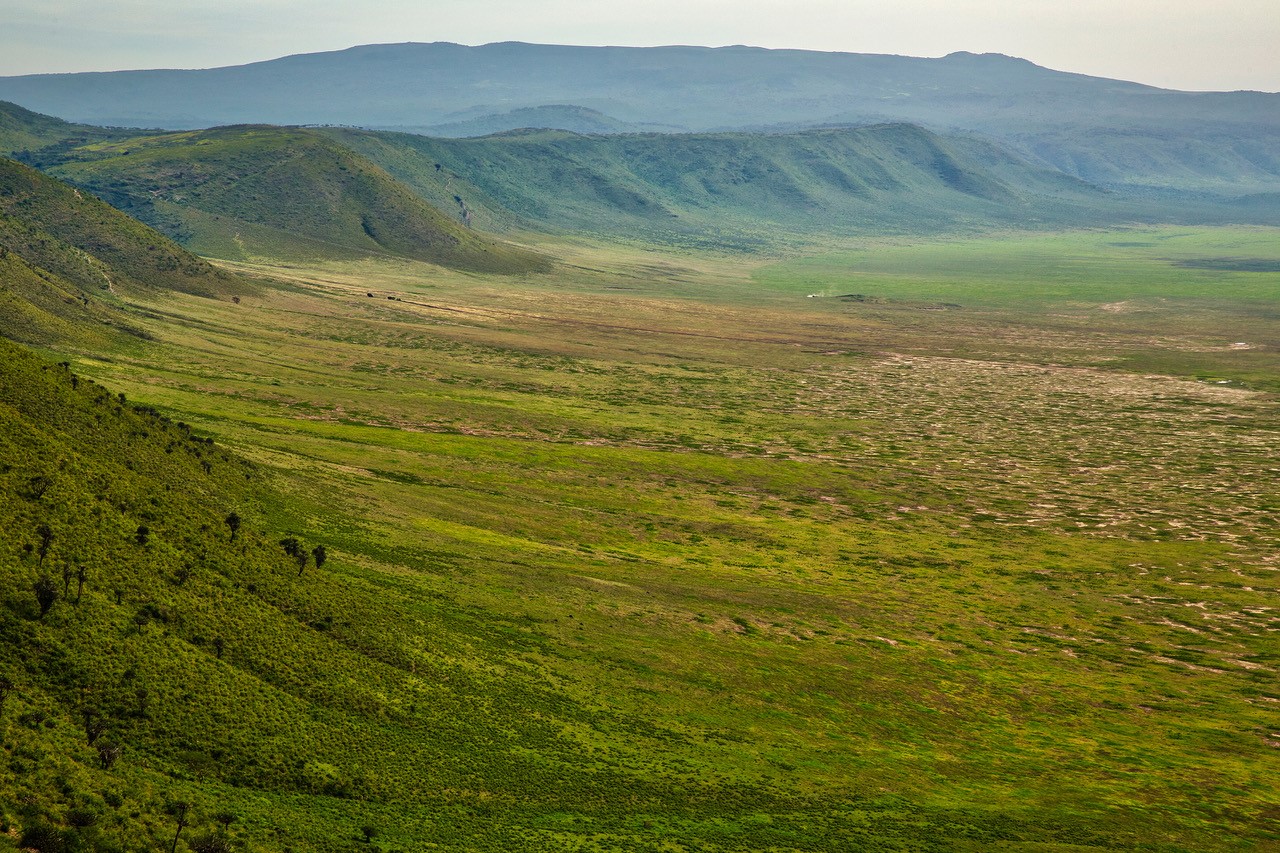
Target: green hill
x,y
735,187
121,513
67,259
252,192
1217,158
21,130
246,192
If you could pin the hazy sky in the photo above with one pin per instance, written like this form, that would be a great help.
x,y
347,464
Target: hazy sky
x,y
1186,44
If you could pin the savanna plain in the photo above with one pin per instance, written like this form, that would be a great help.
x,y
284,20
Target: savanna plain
x,y
950,543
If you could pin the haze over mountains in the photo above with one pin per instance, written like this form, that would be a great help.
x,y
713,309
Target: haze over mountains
x,y
1104,131
249,191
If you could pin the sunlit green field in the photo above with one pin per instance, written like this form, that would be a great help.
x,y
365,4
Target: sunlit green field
x,y
946,545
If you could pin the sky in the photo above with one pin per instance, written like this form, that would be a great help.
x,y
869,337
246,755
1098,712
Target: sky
x,y
1182,44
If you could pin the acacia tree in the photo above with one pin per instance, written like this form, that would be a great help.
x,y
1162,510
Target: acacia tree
x,y
94,726
233,521
295,549
46,593
45,532
180,811
108,754
37,486
320,556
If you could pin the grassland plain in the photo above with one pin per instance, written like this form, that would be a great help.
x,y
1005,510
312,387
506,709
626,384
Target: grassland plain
x,y
974,549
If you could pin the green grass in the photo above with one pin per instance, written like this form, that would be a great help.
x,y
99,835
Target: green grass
x,y
248,193
24,132
1195,303
657,551
734,191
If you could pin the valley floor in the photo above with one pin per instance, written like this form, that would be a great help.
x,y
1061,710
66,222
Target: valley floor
x,y
958,545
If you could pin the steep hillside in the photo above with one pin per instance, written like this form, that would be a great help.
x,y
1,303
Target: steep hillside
x,y
694,88
24,131
121,587
734,187
1218,158
245,192
67,259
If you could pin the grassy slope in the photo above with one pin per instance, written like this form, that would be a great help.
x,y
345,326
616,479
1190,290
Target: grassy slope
x,y
1218,159
67,259
135,646
734,187
24,131
254,191
666,552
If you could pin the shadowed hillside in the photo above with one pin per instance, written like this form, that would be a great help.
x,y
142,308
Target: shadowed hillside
x,y
66,258
245,192
735,188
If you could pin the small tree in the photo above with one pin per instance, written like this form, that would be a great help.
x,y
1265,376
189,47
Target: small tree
x,y
233,521
66,580
81,576
143,534
94,726
108,754
37,486
219,646
45,532
46,594
320,556
180,811
224,819
295,549
368,832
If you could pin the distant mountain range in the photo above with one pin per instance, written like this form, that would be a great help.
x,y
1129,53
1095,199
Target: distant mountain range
x,y
1104,131
251,192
